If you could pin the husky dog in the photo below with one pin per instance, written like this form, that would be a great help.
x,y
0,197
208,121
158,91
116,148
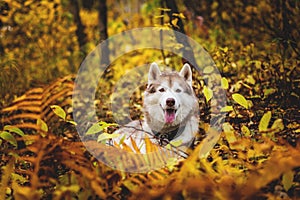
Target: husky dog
x,y
170,112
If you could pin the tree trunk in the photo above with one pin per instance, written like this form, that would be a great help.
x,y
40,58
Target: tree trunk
x,y
102,20
81,36
188,54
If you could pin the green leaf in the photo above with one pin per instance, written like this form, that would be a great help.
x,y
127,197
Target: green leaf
x,y
208,93
59,111
95,128
240,99
106,136
14,129
264,121
287,180
42,124
224,83
226,109
9,138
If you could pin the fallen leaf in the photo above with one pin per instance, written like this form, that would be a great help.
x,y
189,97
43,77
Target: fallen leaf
x,y
264,122
240,99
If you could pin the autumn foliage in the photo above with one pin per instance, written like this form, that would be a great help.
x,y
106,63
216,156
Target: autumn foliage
x,y
255,46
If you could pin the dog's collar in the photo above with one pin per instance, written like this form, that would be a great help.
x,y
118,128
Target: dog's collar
x,y
165,138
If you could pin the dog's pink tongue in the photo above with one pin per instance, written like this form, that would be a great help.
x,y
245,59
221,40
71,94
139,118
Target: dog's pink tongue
x,y
169,117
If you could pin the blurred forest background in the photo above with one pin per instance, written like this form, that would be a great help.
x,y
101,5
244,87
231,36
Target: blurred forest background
x,y
41,41
255,45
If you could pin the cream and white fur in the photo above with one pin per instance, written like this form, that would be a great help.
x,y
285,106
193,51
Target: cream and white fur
x,y
170,107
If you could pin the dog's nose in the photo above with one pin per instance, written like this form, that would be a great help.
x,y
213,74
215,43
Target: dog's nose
x,y
170,102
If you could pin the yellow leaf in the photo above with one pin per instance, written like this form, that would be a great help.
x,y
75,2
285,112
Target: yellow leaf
x,y
208,69
150,147
287,180
58,111
171,163
224,83
229,133
208,93
27,3
240,99
226,109
264,122
134,145
175,143
246,131
251,153
258,64
277,125
9,138
250,79
43,126
225,16
106,136
122,140
164,9
225,49
181,15
250,103
71,122
174,22
126,147
13,129
213,14
95,128
159,16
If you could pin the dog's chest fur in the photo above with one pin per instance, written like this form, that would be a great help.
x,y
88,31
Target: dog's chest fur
x,y
138,130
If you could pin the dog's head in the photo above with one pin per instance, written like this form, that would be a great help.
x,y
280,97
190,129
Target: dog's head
x,y
169,97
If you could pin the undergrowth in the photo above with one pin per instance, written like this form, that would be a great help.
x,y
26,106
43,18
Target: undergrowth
x,y
256,157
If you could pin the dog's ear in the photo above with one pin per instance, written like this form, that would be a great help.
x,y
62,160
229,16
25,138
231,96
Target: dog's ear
x,y
154,72
186,73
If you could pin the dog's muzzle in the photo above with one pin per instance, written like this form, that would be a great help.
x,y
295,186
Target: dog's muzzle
x,y
170,111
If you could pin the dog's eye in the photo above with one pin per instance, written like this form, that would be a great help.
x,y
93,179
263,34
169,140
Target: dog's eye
x,y
161,89
178,90
151,89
